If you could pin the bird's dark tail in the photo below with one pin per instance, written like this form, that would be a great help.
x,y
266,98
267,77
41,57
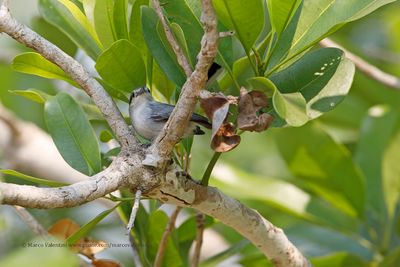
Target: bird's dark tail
x,y
198,131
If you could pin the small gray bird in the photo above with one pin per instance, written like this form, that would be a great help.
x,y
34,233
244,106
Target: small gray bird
x,y
148,116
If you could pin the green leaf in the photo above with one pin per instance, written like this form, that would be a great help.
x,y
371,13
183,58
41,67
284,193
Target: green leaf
x,y
290,106
36,64
67,17
104,21
135,25
391,174
156,47
180,13
323,77
156,226
106,136
33,179
314,157
120,19
54,35
342,259
85,229
377,129
246,18
122,66
317,19
72,134
32,94
180,37
280,13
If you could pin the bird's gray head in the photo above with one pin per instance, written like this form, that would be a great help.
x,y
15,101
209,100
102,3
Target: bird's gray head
x,y
142,91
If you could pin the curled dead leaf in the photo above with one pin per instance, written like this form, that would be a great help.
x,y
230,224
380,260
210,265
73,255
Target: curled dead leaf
x,y
249,104
225,139
216,107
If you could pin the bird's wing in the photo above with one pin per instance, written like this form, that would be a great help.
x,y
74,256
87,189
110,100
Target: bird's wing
x,y
162,111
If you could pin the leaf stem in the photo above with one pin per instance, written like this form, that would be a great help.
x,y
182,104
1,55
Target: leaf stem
x,y
210,167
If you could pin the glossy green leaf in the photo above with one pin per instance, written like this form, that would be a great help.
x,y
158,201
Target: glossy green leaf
x,y
165,60
290,106
246,18
32,179
114,92
180,13
391,174
323,77
54,35
135,25
92,112
280,13
67,17
181,39
104,22
342,259
72,134
120,19
106,136
314,157
32,94
317,19
36,64
122,66
85,229
377,130
156,227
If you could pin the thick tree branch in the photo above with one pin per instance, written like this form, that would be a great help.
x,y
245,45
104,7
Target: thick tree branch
x,y
182,60
368,69
107,181
175,188
24,35
175,126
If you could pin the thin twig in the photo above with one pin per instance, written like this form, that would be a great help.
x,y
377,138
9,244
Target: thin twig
x,y
368,69
36,227
226,34
135,254
135,209
164,239
199,239
182,60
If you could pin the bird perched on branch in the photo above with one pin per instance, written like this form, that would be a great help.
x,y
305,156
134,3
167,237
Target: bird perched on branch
x,y
148,116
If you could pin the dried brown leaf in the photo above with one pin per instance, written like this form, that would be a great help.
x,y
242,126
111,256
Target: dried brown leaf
x,y
64,228
225,139
249,104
